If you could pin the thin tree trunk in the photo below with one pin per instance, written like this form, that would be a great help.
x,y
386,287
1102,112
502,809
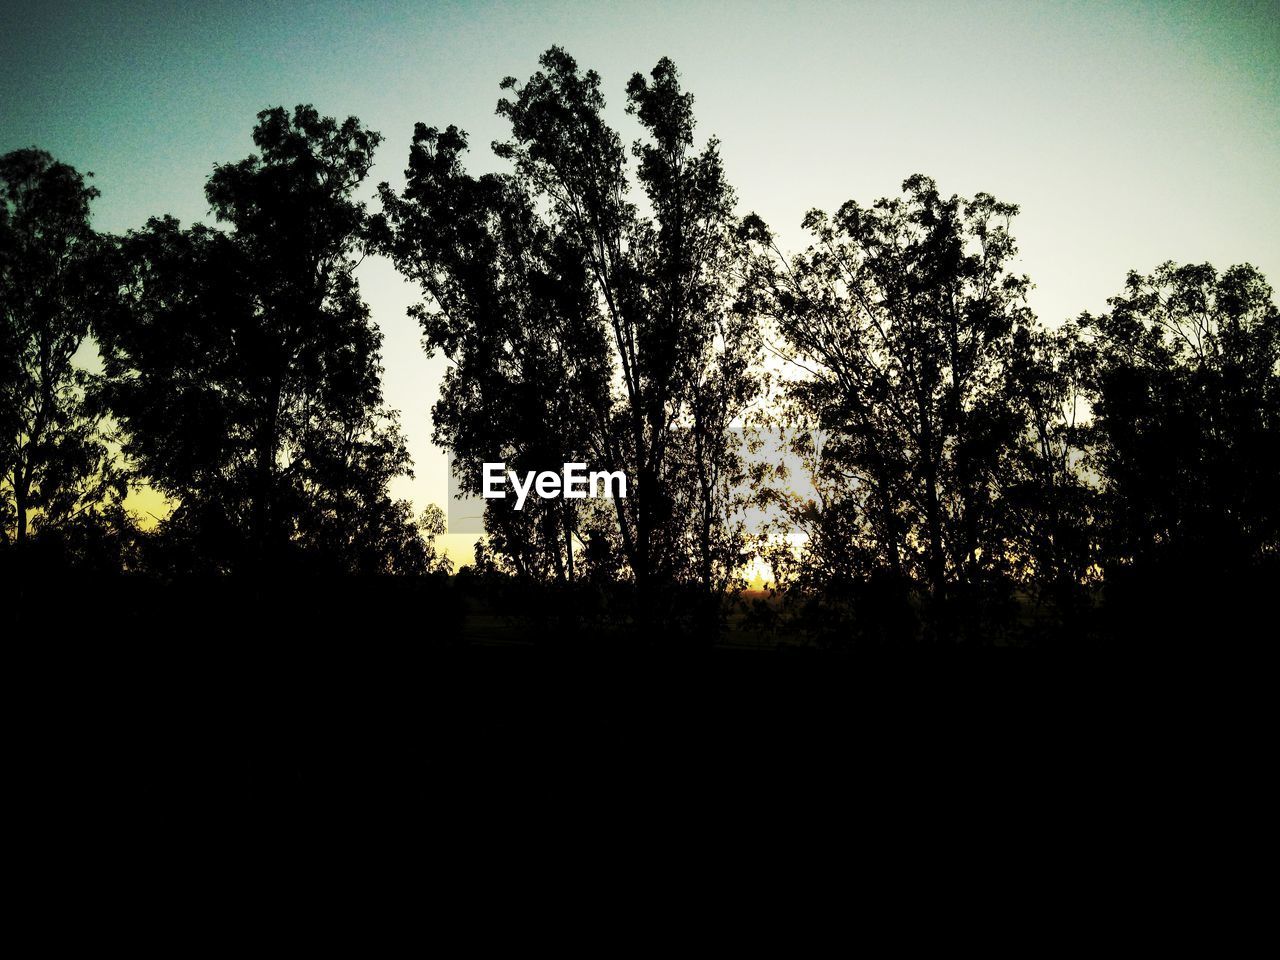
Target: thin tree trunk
x,y
20,502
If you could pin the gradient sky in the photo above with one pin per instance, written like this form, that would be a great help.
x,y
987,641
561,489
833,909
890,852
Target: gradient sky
x,y
1129,133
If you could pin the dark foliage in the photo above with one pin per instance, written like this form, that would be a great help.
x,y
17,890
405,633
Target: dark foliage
x,y
1185,443
243,366
969,475
58,479
581,330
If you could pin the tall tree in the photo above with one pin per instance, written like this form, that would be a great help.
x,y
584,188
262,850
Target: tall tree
x,y
56,467
1186,437
578,326
1050,510
700,349
512,308
245,367
904,319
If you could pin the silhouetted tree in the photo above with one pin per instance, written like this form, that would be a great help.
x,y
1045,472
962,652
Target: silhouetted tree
x,y
56,468
512,308
1186,435
1050,511
906,321
582,330
245,367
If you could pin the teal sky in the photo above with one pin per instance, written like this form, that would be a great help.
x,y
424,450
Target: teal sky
x,y
1129,133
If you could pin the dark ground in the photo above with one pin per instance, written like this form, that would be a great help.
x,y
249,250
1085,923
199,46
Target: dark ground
x,y
213,705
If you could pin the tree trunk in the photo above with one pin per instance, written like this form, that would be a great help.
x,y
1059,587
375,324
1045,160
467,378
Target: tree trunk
x,y
20,502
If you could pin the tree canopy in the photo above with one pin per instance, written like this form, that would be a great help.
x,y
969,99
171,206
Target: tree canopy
x,y
962,470
244,366
57,472
581,328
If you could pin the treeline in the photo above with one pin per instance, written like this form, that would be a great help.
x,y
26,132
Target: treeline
x,y
970,474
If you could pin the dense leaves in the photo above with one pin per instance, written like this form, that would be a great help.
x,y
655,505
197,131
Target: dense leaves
x,y
58,478
908,321
961,472
1186,449
581,330
244,366
1187,415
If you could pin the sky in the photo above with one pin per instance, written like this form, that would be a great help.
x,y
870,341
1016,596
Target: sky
x,y
1128,133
